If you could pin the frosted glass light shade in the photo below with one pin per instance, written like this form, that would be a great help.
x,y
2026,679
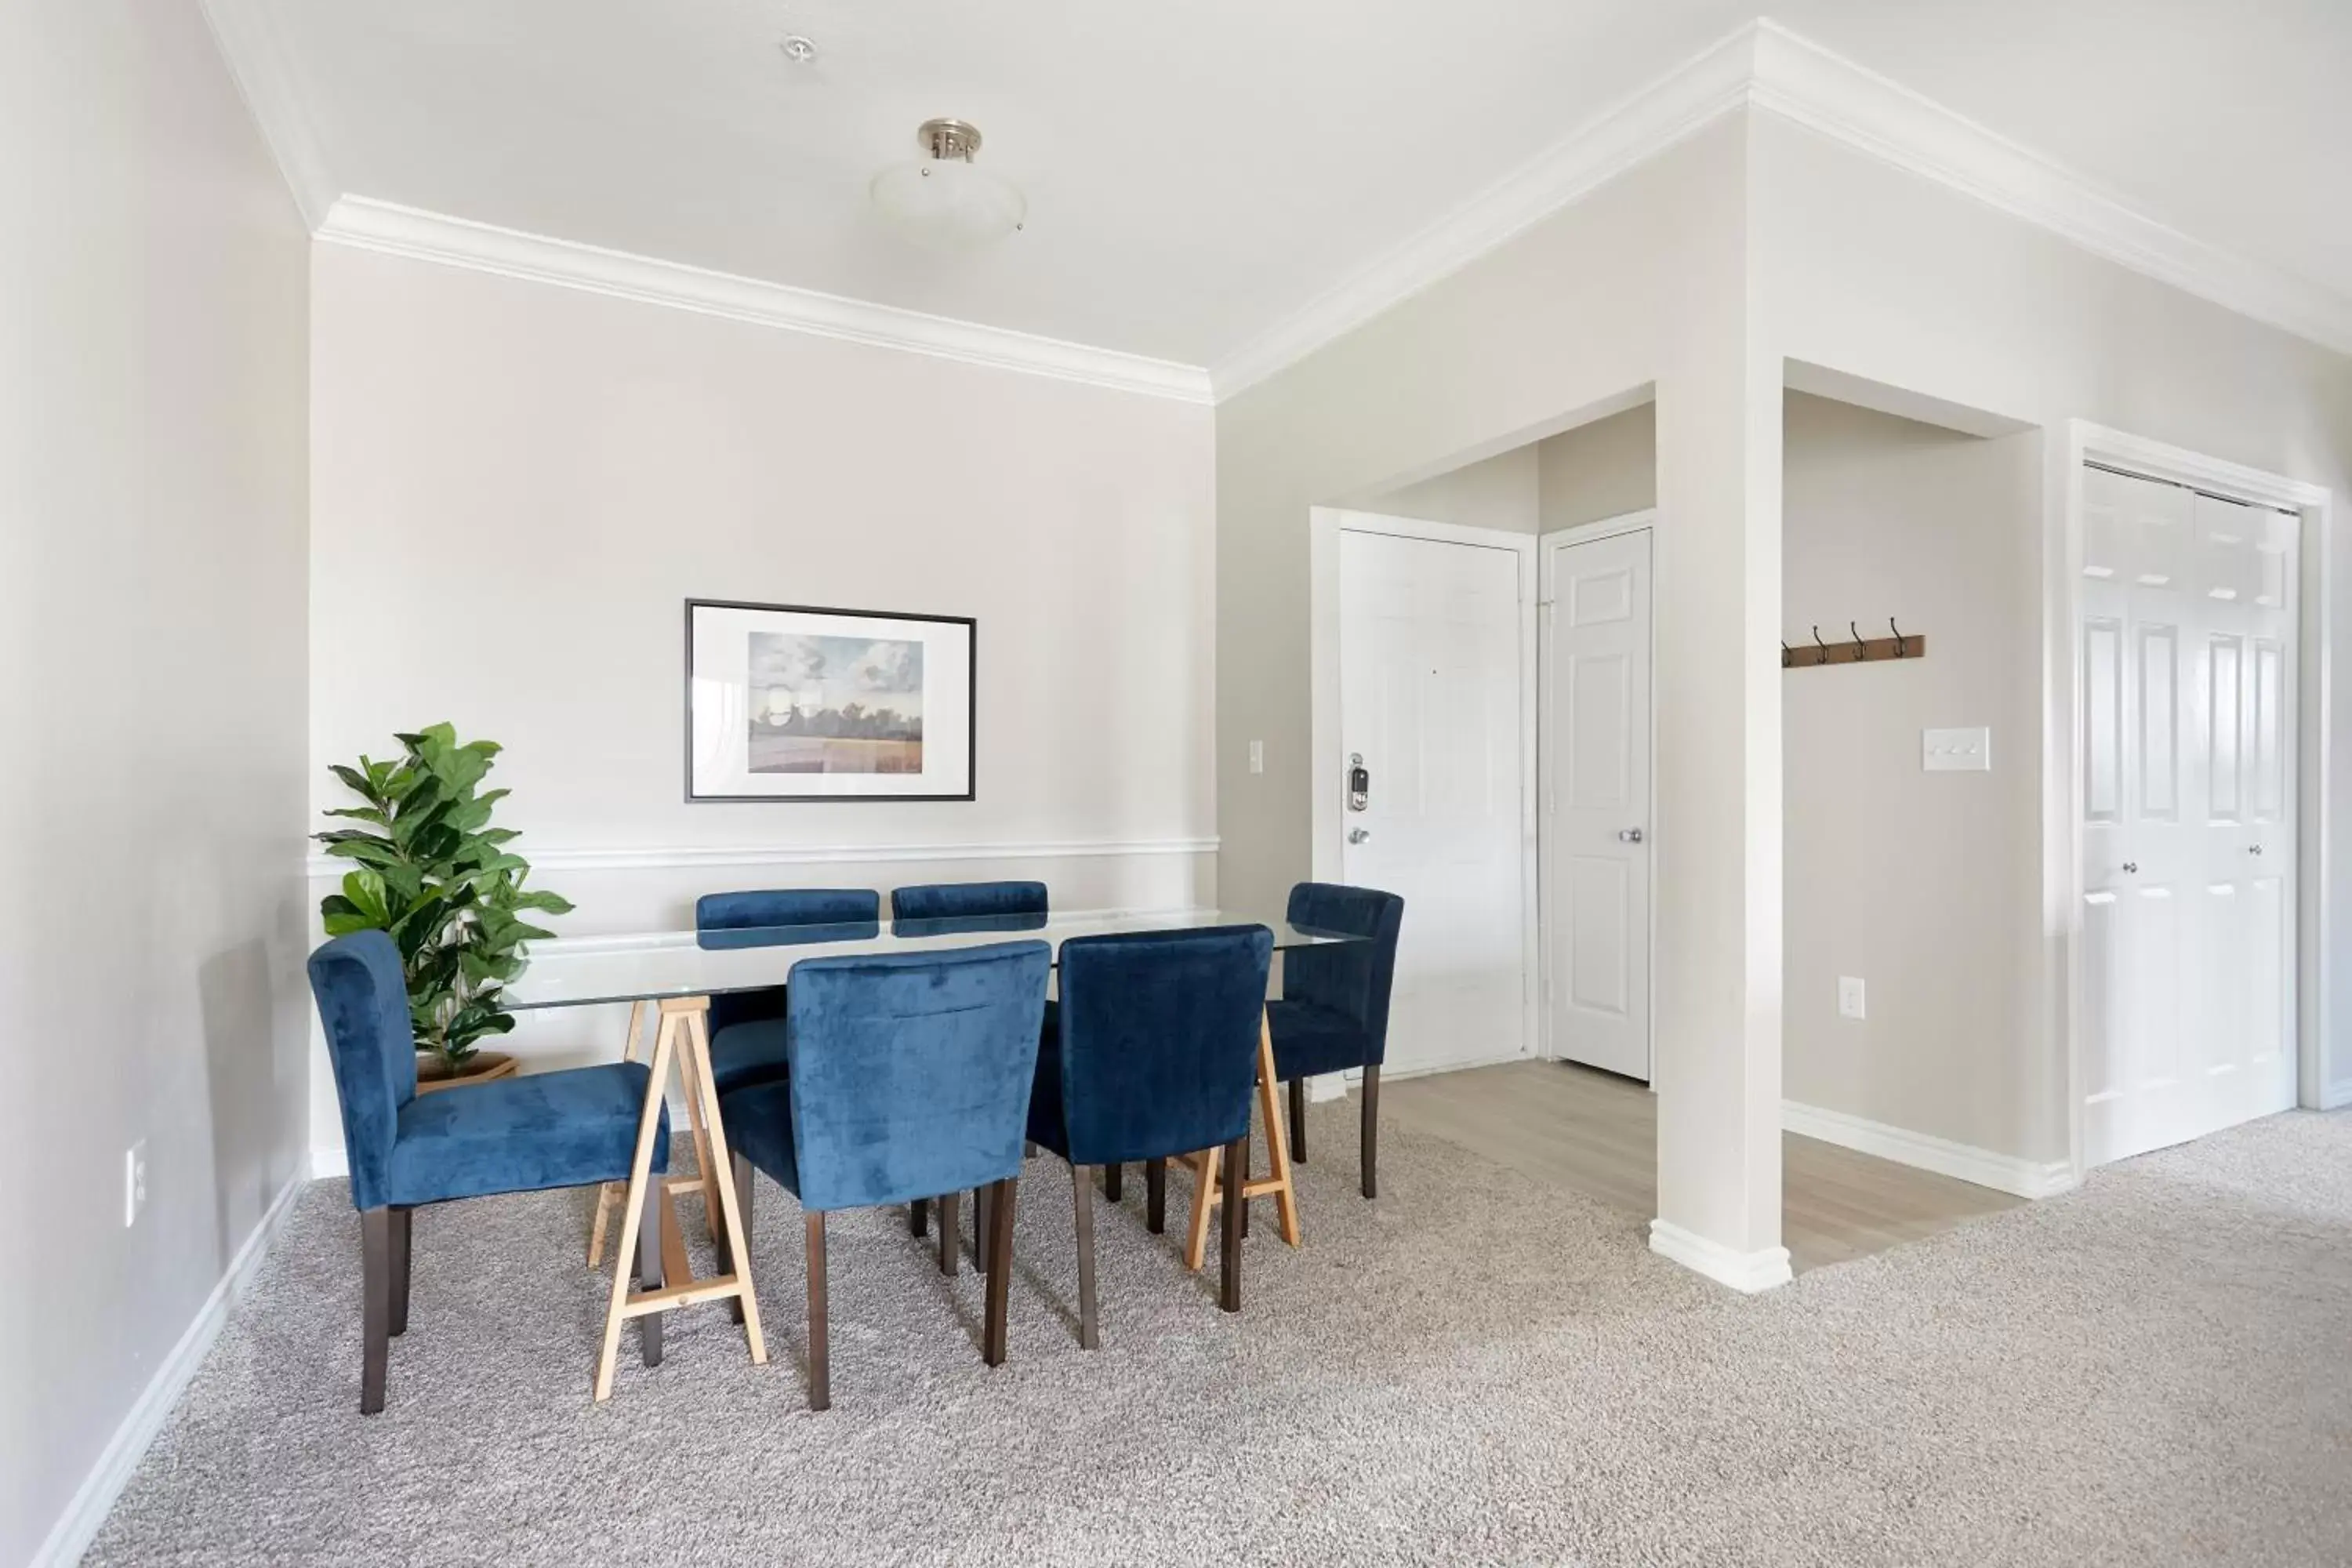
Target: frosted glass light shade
x,y
947,203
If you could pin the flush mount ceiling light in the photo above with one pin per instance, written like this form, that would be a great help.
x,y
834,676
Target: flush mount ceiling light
x,y
942,199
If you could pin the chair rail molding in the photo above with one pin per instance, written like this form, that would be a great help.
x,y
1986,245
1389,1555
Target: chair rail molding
x,y
366,223
1765,65
686,856
2009,1174
1747,1272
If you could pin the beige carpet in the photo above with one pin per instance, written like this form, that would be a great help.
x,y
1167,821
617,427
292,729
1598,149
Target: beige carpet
x,y
1474,1370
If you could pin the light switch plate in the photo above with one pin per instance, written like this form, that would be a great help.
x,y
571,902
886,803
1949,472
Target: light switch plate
x,y
1850,997
1257,756
1956,751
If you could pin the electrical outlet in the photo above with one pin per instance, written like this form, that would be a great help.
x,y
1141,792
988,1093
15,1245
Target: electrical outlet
x,y
1848,996
1257,756
134,1183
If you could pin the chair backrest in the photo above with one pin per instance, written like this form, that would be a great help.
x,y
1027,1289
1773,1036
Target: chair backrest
x,y
1158,1039
778,917
911,1072
1353,977
938,906
362,1000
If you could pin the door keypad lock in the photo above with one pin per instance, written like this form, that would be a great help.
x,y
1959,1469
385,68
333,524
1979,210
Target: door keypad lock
x,y
1360,783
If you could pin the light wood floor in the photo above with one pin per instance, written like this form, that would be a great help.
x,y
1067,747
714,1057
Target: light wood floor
x,y
1598,1134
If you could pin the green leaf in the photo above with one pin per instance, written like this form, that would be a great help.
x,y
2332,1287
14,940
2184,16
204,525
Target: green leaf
x,y
356,781
363,813
365,890
541,898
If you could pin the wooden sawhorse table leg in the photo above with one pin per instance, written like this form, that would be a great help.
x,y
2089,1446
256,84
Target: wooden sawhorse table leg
x,y
610,1192
683,1038
1207,1189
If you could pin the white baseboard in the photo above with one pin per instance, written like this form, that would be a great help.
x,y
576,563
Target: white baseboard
x,y
2335,1095
328,1159
1962,1162
75,1528
1747,1272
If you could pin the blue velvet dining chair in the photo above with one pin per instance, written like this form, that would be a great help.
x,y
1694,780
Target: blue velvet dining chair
x,y
909,1075
1151,1051
747,1027
941,907
1334,1011
507,1135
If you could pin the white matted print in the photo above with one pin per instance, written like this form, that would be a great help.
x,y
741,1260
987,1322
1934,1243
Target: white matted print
x,y
791,703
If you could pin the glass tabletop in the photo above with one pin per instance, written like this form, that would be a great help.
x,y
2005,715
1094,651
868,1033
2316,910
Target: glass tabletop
x,y
713,963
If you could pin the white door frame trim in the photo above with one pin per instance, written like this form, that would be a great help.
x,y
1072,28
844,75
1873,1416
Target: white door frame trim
x,y
2063,838
1327,823
1643,521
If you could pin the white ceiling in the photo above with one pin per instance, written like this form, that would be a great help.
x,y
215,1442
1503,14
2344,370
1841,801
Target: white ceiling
x,y
1198,173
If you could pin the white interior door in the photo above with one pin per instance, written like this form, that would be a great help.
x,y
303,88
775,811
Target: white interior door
x,y
2189,840
1596,802
1430,699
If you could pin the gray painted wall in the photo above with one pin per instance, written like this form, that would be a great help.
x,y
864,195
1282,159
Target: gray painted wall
x,y
1925,886
154,416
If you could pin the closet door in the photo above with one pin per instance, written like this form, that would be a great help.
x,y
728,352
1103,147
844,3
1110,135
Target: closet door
x,y
2187,629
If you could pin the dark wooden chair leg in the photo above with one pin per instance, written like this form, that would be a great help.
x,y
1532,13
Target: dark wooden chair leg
x,y
1114,1181
1371,1136
1155,1195
649,1268
1082,1187
375,1305
743,1214
820,1356
1229,1277
1298,1121
1241,1186
951,1236
918,1216
401,1221
1000,1271
982,1205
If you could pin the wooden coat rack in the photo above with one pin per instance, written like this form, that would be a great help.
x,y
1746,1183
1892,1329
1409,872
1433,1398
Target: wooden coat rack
x,y
1855,648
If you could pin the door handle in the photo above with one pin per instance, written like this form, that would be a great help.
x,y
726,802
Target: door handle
x,y
1629,836
1358,835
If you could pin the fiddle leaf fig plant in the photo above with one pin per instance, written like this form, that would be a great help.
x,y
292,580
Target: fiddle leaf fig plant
x,y
434,873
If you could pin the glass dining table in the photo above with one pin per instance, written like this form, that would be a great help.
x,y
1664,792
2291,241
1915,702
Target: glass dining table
x,y
672,979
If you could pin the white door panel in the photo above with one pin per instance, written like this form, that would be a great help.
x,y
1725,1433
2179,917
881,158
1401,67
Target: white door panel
x,y
1596,795
1429,699
2188,628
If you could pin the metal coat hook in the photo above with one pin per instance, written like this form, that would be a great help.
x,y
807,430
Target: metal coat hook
x,y
1819,644
1861,649
1901,650
1788,656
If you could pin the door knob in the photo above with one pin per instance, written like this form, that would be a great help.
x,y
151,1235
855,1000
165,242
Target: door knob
x,y
2255,850
2131,868
1358,835
1629,836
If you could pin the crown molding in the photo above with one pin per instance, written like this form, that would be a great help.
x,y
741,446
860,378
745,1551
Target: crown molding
x,y
1629,133
1799,80
256,60
1765,65
369,224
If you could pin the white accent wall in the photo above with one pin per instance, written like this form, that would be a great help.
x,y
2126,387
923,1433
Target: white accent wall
x,y
154,419
517,486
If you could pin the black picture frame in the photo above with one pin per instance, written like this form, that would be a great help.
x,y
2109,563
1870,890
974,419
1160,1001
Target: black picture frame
x,y
971,719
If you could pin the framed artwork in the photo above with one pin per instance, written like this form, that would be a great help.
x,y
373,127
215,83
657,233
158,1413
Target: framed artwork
x,y
794,702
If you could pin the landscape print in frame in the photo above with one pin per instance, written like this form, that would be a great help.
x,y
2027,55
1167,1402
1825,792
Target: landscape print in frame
x,y
801,702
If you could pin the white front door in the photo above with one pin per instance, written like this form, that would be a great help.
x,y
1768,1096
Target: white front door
x,y
2188,842
1430,707
1596,802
